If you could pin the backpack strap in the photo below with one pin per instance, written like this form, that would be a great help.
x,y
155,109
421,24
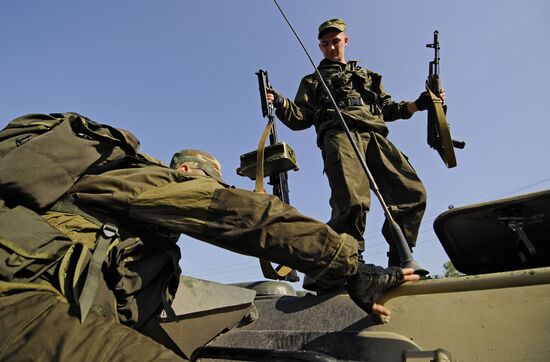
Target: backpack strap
x,y
107,235
94,294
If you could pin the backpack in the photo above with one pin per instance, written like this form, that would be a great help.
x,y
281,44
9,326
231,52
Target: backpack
x,y
43,155
41,158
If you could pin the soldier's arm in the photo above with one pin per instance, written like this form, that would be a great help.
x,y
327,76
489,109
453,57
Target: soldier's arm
x,y
238,220
250,224
297,115
392,110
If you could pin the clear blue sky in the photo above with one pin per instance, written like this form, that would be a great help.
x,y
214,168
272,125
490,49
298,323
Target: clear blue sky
x,y
180,74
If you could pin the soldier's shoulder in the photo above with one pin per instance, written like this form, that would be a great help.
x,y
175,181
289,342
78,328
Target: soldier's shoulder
x,y
310,77
151,160
372,75
359,68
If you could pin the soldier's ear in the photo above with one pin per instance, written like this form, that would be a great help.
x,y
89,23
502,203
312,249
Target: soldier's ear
x,y
183,168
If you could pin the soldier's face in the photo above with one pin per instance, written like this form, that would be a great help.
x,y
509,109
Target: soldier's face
x,y
333,44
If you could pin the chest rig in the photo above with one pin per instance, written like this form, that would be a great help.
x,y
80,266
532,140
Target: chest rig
x,y
350,86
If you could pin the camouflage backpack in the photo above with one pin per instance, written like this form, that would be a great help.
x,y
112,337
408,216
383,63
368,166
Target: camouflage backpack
x,y
42,156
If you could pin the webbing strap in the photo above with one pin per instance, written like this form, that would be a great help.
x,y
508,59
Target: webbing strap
x,y
67,204
107,234
278,273
260,159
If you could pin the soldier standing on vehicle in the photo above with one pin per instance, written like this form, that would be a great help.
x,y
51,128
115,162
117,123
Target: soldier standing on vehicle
x,y
366,107
81,277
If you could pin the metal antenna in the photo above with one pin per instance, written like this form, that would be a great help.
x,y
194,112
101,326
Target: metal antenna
x,y
405,255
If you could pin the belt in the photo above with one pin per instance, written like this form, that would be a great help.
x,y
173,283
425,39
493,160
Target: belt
x,y
353,101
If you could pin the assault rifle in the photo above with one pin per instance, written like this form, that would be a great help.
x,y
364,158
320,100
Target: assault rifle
x,y
272,161
439,135
279,180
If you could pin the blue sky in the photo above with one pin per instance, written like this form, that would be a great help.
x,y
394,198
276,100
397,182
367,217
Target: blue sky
x,y
180,74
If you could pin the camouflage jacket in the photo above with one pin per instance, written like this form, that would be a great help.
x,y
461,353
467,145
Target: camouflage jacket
x,y
237,220
347,83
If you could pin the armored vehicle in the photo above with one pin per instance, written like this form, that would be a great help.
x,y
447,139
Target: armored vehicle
x,y
497,311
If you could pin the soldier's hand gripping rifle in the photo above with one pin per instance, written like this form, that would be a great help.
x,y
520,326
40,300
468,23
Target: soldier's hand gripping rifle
x,y
439,135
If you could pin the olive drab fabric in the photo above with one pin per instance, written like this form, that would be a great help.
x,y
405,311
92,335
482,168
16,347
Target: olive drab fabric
x,y
336,24
145,206
365,107
140,272
28,245
23,129
42,156
54,255
43,240
238,220
358,92
242,221
37,326
350,188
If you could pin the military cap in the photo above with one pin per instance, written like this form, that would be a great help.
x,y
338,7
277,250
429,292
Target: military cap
x,y
199,160
337,24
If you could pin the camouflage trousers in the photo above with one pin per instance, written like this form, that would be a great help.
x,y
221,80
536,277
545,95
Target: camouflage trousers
x,y
42,326
350,198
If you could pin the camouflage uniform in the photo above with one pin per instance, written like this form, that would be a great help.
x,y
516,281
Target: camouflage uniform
x,y
366,108
39,318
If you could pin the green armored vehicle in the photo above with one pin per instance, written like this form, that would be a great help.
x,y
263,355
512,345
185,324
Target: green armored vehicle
x,y
497,311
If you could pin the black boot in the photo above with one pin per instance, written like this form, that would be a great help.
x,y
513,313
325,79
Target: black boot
x,y
311,285
393,257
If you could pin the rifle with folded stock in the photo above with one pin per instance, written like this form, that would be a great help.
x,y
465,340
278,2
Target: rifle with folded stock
x,y
272,161
439,134
279,180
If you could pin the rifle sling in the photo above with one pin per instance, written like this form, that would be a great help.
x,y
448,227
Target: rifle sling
x,y
260,159
107,234
278,273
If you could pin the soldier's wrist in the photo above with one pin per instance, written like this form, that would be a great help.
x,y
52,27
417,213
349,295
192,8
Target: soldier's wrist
x,y
280,102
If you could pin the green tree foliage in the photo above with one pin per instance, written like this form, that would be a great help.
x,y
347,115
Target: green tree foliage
x,y
450,270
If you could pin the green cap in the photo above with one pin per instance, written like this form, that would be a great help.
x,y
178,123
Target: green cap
x,y
200,160
337,24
